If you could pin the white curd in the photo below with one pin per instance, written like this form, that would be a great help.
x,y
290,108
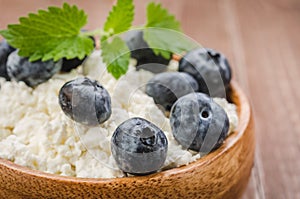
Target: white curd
x,y
34,132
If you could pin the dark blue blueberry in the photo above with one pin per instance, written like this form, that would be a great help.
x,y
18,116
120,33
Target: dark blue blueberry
x,y
167,87
5,50
32,73
146,59
85,101
198,123
70,64
210,68
139,147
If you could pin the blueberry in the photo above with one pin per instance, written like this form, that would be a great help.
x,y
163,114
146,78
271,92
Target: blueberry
x,y
32,73
210,68
139,147
85,101
69,64
5,50
167,87
146,59
198,123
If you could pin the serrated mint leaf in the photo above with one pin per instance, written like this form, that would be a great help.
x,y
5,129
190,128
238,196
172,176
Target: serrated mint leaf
x,y
51,34
116,55
163,34
164,42
158,17
120,17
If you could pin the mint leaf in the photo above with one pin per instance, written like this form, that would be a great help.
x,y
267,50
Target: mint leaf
x,y
164,42
163,34
116,55
51,34
158,17
120,17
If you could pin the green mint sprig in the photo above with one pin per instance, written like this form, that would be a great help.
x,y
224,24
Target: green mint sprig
x,y
159,17
56,33
163,33
51,34
115,53
120,17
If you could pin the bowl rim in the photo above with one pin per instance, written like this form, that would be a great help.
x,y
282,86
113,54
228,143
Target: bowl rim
x,y
244,114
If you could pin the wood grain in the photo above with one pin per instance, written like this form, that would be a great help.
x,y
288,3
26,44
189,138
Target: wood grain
x,y
261,40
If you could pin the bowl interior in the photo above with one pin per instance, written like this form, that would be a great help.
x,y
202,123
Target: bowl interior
x,y
243,110
222,173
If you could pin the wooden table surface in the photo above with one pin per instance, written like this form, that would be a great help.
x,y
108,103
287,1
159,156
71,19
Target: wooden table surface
x,y
262,41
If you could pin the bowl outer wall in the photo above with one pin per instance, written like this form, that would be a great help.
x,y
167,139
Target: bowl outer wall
x,y
223,173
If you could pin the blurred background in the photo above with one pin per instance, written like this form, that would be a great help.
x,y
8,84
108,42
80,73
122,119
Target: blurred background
x,y
261,40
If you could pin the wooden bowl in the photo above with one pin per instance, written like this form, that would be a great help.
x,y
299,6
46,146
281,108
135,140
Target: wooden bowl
x,y
223,173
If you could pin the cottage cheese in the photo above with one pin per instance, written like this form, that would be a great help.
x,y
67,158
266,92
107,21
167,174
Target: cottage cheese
x,y
34,132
